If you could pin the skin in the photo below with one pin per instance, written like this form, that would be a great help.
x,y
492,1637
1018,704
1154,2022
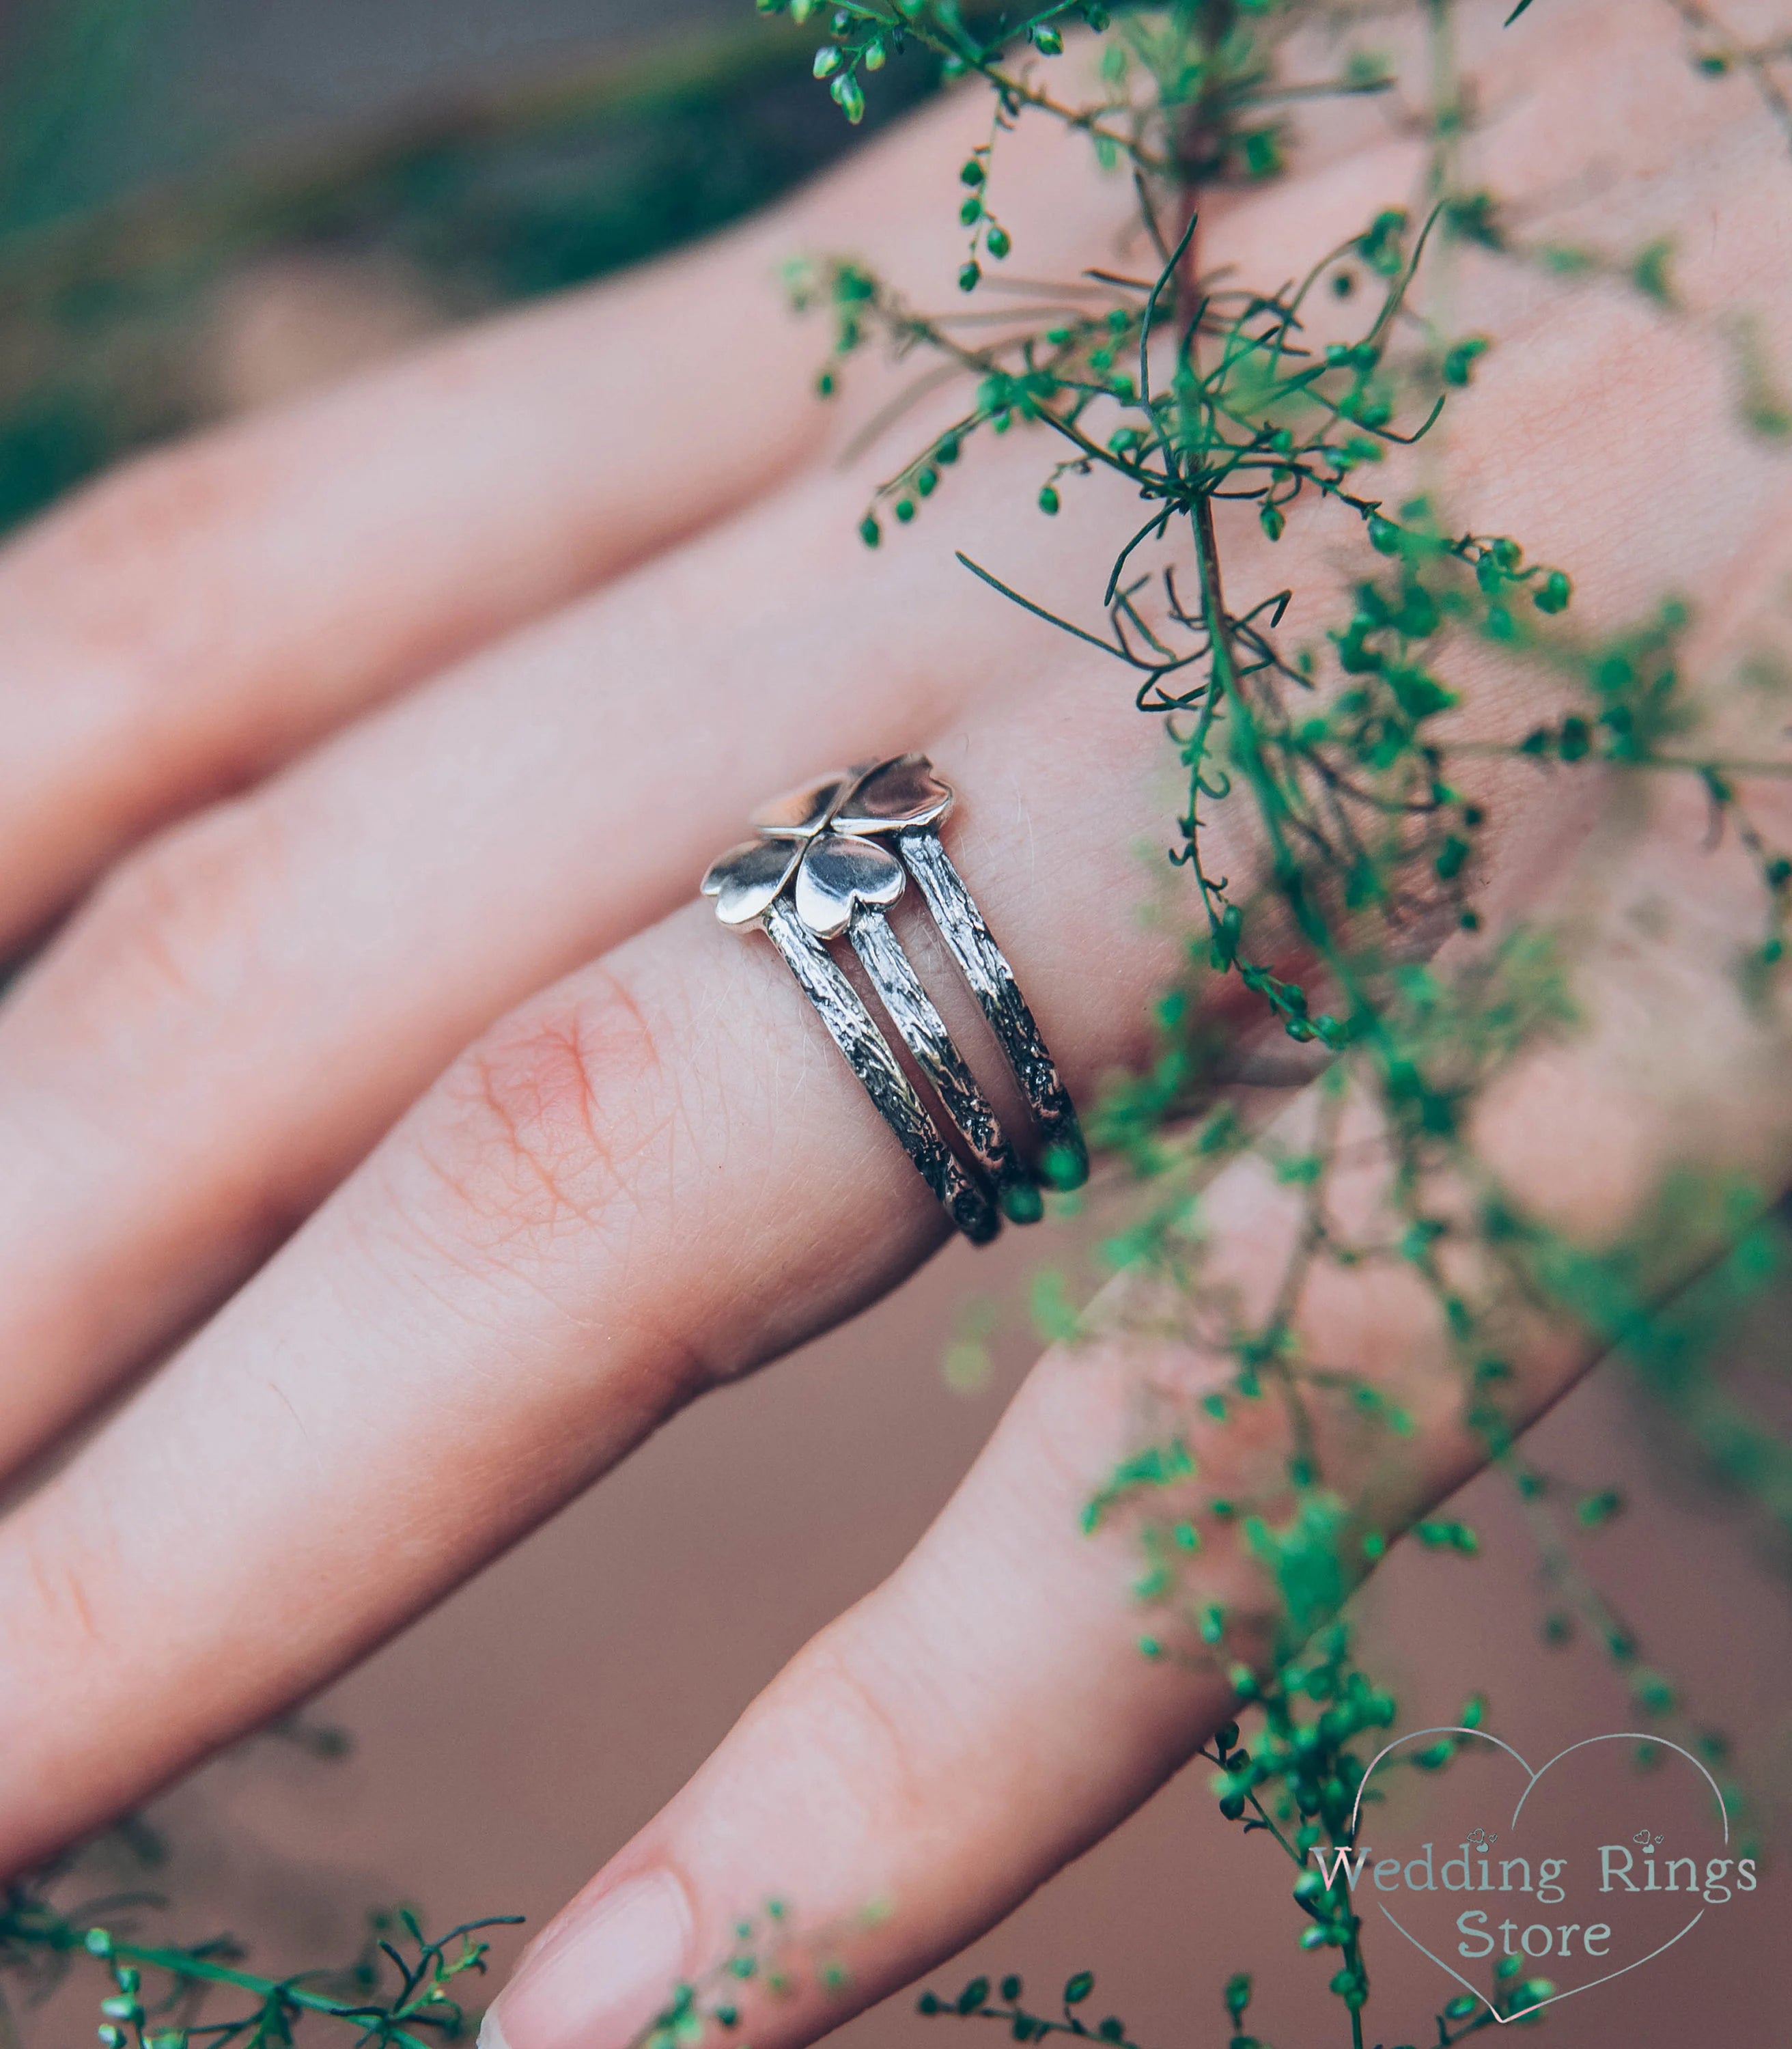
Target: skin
x,y
382,1083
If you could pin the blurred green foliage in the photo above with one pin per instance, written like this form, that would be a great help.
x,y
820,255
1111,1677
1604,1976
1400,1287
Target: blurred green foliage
x,y
496,195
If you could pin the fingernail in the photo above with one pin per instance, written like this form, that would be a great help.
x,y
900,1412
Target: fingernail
x,y
597,1981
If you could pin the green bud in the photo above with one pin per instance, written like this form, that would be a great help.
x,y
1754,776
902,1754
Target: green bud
x,y
969,276
1459,364
1049,500
971,211
829,59
997,242
869,532
1453,857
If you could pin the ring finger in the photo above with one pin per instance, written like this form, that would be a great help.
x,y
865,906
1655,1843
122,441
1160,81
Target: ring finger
x,y
247,1002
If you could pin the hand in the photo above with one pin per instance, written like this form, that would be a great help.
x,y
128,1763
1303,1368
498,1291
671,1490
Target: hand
x,y
495,651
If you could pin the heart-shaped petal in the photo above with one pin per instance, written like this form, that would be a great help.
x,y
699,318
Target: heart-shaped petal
x,y
746,879
837,874
895,796
802,814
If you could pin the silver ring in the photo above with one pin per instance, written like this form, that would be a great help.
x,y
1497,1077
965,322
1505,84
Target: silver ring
x,y
827,864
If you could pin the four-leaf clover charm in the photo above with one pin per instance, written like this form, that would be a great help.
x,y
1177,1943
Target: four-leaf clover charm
x,y
824,843
827,862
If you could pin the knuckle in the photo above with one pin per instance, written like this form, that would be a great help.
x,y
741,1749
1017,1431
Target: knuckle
x,y
178,921
128,569
56,1606
109,545
856,1730
550,1123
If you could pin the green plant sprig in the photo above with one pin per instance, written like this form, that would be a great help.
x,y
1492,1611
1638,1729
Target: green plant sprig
x,y
153,2002
1199,395
1716,53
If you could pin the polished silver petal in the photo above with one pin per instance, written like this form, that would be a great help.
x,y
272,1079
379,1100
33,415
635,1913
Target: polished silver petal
x,y
802,814
748,879
897,795
838,873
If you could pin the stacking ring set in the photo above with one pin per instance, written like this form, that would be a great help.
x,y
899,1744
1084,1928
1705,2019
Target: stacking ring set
x,y
825,865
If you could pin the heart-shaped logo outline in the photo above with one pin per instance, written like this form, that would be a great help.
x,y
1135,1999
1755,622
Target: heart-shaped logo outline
x,y
1614,1735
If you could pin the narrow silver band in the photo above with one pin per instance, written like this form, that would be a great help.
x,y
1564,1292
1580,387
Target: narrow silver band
x,y
828,863
854,1031
923,1032
992,981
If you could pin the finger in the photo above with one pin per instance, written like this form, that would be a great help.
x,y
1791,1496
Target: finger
x,y
199,616
254,997
647,1181
251,1000
886,1786
834,1280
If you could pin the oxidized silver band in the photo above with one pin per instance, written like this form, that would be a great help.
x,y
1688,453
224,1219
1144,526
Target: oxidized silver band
x,y
828,863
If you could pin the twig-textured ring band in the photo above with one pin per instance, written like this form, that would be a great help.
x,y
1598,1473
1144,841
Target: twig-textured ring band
x,y
827,864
